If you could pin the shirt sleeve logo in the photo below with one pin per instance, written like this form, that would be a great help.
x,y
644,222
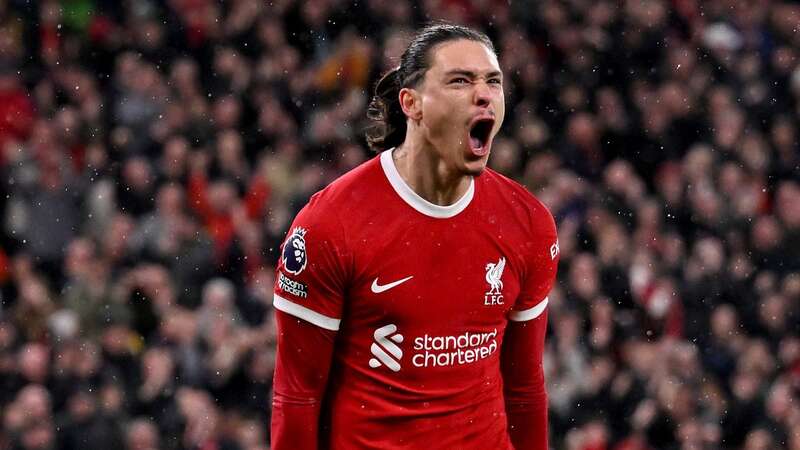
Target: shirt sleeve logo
x,y
294,251
291,286
554,250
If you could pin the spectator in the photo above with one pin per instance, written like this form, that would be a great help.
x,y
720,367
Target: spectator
x,y
142,434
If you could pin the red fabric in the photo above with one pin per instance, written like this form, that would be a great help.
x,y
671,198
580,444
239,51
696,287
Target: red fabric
x,y
255,201
632,443
524,389
672,322
5,271
219,226
51,40
301,374
422,307
794,371
16,116
595,446
300,381
673,325
77,155
100,28
254,263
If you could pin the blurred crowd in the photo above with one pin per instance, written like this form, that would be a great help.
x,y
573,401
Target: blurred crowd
x,y
152,154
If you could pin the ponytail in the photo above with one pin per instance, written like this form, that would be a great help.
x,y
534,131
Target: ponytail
x,y
389,127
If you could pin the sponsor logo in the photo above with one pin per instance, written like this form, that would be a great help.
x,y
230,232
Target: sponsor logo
x,y
294,251
385,350
291,286
554,250
431,350
378,288
441,351
494,271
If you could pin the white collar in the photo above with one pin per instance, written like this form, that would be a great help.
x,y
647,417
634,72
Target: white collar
x,y
414,200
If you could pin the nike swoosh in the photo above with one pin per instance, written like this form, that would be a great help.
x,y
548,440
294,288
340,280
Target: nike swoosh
x,y
378,288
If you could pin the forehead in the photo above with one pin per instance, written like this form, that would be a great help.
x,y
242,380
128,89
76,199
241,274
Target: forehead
x,y
463,54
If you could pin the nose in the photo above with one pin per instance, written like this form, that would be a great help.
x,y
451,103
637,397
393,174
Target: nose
x,y
482,95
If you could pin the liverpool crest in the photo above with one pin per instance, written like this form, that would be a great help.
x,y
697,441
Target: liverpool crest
x,y
494,273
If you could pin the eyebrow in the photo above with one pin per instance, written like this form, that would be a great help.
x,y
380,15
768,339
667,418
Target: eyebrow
x,y
471,74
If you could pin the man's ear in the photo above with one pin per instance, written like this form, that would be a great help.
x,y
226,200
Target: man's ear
x,y
411,103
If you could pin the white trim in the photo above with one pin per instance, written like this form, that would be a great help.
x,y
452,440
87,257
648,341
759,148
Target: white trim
x,y
528,314
414,200
301,312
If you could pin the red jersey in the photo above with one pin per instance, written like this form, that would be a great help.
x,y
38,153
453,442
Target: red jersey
x,y
420,297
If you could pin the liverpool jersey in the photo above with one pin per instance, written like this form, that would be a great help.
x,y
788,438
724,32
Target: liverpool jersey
x,y
420,296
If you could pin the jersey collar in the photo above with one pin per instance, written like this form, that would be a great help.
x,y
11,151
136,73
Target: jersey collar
x,y
414,200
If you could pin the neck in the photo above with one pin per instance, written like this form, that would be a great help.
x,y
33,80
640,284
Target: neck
x,y
427,173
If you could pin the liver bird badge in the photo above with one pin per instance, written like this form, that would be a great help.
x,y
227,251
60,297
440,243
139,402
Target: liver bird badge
x,y
494,271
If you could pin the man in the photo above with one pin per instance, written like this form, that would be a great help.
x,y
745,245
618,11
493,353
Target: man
x,y
411,293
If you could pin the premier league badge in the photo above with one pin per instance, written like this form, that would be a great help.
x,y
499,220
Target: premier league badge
x,y
294,251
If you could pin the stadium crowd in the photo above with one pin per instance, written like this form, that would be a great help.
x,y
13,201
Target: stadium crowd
x,y
153,152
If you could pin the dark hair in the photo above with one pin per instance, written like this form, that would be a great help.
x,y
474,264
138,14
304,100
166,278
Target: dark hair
x,y
389,127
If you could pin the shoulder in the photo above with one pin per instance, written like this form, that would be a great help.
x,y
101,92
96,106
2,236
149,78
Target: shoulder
x,y
517,200
351,189
348,190
329,215
536,237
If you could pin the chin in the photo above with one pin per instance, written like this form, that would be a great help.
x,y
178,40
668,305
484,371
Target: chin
x,y
475,167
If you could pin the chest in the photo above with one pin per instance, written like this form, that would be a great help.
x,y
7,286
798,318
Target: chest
x,y
440,275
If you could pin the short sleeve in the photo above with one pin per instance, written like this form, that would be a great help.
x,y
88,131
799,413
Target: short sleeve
x,y
541,263
311,275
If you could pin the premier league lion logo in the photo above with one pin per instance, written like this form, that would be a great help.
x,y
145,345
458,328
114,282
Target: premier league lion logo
x,y
294,251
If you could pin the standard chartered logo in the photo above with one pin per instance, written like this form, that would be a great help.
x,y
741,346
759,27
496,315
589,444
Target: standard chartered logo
x,y
455,350
431,350
385,351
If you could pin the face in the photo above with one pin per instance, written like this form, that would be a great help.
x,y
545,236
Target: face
x,y
460,104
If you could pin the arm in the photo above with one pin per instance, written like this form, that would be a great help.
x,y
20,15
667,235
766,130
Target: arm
x,y
523,344
301,374
310,282
523,381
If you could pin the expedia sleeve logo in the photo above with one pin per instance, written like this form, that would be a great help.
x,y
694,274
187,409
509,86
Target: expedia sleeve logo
x,y
294,256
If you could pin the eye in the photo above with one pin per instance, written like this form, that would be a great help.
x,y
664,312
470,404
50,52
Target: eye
x,y
495,81
459,80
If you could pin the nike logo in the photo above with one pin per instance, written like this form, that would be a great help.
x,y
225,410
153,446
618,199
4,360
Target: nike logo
x,y
378,288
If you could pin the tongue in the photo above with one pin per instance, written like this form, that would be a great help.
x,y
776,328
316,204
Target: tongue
x,y
477,146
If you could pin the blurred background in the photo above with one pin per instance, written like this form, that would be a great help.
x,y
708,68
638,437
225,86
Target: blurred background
x,y
153,153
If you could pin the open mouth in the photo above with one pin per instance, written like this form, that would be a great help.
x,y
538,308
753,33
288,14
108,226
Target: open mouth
x,y
479,136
